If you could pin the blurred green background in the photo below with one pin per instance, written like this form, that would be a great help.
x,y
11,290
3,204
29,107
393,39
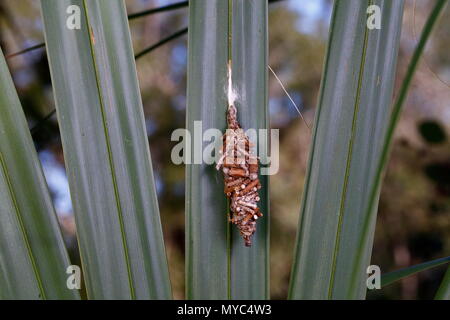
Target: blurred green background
x,y
414,212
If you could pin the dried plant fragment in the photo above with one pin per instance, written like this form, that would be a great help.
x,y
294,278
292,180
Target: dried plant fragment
x,y
240,169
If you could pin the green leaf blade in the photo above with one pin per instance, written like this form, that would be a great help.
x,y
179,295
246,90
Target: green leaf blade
x,y
250,265
33,258
363,239
394,276
219,266
206,207
106,151
354,104
444,289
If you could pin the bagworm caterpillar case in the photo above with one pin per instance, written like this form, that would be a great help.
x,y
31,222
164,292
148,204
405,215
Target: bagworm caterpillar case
x,y
240,170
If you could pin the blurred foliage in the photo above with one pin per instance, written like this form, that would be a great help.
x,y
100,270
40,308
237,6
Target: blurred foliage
x,y
413,222
432,132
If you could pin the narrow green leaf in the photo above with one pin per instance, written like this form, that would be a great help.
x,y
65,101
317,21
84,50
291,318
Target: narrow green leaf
x,y
394,276
218,264
250,265
444,289
364,239
33,258
351,117
206,207
106,151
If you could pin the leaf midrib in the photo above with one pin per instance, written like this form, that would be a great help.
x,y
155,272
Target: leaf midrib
x,y
228,227
348,162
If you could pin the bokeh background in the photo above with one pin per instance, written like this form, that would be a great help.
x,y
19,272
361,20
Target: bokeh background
x,y
414,212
